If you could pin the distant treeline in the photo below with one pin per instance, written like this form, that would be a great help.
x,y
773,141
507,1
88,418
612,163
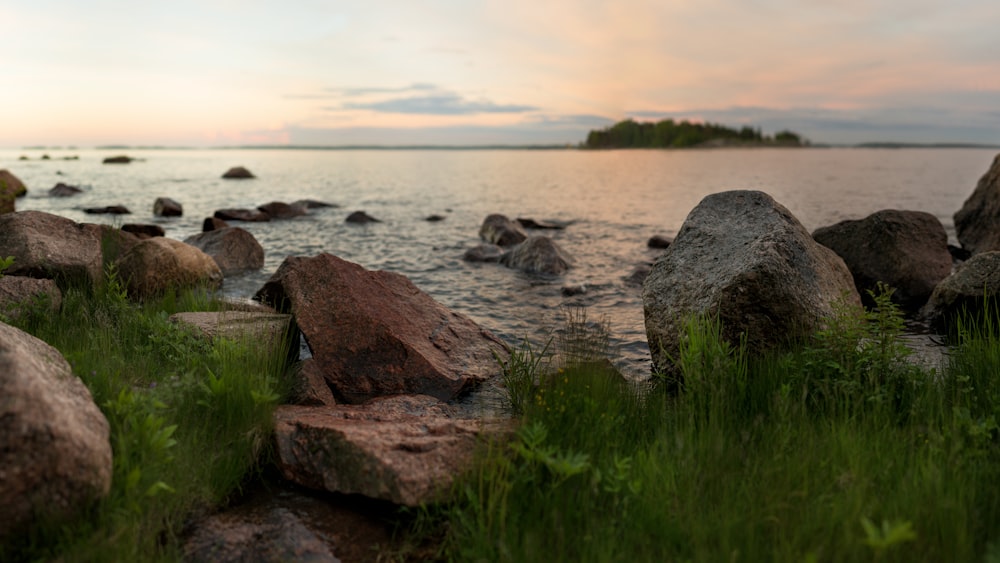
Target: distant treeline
x,y
668,133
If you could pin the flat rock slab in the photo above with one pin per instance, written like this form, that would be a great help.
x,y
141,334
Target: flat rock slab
x,y
266,328
405,449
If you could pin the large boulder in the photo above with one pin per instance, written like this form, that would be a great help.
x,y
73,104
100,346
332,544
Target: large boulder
x,y
908,250
500,230
19,294
235,250
48,246
157,265
403,449
55,452
213,224
167,207
374,333
967,290
238,173
538,255
743,258
10,183
977,224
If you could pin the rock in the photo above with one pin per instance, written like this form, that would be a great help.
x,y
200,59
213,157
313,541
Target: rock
x,y
744,258
142,230
19,294
274,331
977,224
434,218
638,275
659,241
120,159
958,254
538,255
573,290
374,333
404,449
908,250
55,452
248,215
166,207
483,253
234,249
528,223
213,224
10,183
157,265
279,210
64,190
46,157
109,210
263,536
361,218
238,173
48,246
114,242
312,204
499,230
975,281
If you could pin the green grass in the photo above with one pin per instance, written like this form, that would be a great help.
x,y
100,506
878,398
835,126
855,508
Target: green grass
x,y
190,421
839,450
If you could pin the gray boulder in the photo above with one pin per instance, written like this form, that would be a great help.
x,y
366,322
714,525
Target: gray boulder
x,y
908,250
975,281
743,258
483,253
235,250
977,224
500,230
166,207
538,255
281,210
55,452
48,246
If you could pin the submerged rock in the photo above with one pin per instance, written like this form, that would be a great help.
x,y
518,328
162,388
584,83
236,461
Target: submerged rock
x,y
109,210
238,173
281,210
483,253
120,159
659,241
538,255
143,230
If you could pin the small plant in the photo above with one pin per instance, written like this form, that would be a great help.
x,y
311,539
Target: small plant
x,y
521,372
5,263
890,534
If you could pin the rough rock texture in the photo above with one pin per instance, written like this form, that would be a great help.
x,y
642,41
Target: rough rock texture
x,y
266,329
249,215
908,250
483,253
500,230
281,210
238,173
156,265
49,246
166,207
64,190
374,333
233,249
10,183
361,218
404,449
538,255
276,535
144,230
743,257
977,224
18,293
55,454
974,281
212,224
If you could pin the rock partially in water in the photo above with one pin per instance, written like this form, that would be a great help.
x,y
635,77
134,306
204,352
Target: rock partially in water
x,y
528,223
235,250
312,204
483,253
55,451
659,241
157,265
968,289
500,230
281,210
64,190
10,184
166,207
108,210
237,214
977,224
238,173
213,224
143,230
120,159
361,218
538,255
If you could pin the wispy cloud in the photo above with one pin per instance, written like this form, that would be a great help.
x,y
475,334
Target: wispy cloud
x,y
438,104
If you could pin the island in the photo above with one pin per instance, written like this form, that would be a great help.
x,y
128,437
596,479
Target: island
x,y
668,133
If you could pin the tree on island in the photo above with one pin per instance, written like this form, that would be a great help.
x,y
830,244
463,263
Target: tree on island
x,y
668,133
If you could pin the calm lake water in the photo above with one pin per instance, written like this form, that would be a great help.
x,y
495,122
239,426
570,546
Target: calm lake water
x,y
614,200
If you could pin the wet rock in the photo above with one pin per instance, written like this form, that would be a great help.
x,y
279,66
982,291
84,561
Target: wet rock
x,y
908,250
659,241
143,230
109,210
166,207
19,294
312,204
248,215
538,255
212,224
64,190
977,224
48,246
744,258
529,223
500,230
235,250
483,253
403,449
374,333
238,173
361,218
120,159
55,453
157,265
280,210
968,289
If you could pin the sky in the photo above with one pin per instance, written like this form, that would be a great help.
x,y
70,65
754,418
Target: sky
x,y
475,72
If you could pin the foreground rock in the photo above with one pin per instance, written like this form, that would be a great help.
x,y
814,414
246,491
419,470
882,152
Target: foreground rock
x,y
743,257
977,224
19,294
975,281
238,173
55,453
166,207
157,265
374,333
538,255
235,250
500,230
269,330
9,183
213,224
404,449
908,250
144,230
64,190
49,246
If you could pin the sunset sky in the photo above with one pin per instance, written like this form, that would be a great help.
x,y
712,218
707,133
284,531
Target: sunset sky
x,y
226,72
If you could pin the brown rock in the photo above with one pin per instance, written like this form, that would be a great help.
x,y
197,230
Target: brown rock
x,y
235,250
120,159
483,253
361,218
249,215
143,230
280,210
500,230
977,224
157,265
312,204
108,210
659,241
538,255
55,453
48,246
64,190
374,333
975,283
238,173
10,183
212,224
18,294
166,207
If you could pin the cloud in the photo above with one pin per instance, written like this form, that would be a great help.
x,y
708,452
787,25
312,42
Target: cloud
x,y
438,104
